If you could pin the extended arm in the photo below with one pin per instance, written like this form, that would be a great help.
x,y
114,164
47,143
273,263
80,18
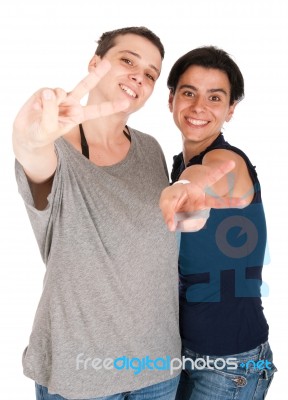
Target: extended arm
x,y
221,181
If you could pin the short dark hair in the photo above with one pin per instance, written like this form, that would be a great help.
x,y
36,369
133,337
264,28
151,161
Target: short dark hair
x,y
209,57
107,39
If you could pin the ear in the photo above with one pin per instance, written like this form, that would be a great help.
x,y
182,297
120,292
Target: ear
x,y
231,111
170,102
93,62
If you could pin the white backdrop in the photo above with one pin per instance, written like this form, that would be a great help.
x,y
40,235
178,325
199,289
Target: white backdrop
x,y
50,44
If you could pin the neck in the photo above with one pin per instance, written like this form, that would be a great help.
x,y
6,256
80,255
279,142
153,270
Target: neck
x,y
102,154
194,148
190,151
106,129
103,132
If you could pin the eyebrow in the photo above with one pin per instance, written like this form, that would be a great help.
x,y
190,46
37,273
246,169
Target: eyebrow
x,y
138,56
216,90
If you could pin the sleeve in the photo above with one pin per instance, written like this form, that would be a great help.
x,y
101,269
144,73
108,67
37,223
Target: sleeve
x,y
41,220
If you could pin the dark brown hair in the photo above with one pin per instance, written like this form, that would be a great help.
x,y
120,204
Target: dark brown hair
x,y
107,39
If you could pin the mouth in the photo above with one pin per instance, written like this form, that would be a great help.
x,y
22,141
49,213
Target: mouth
x,y
197,122
129,91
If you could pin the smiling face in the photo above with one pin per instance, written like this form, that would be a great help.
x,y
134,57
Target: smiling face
x,y
135,67
201,106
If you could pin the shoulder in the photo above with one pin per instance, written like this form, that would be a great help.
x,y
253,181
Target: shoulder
x,y
223,154
221,144
145,139
224,149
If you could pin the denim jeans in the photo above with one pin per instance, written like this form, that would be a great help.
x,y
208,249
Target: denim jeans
x,y
248,379
161,391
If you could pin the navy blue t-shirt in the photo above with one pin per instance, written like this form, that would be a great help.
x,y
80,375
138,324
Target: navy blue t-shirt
x,y
220,271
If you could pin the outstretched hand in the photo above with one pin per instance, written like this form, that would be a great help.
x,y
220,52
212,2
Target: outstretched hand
x,y
186,207
51,113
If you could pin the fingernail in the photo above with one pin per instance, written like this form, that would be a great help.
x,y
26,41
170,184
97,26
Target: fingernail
x,y
47,94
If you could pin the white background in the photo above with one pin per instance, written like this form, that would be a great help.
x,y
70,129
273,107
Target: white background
x,y
50,44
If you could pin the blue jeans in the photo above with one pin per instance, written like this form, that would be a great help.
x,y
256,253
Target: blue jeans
x,y
248,379
161,391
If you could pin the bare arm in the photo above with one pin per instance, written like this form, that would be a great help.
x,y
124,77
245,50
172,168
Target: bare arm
x,y
210,187
237,183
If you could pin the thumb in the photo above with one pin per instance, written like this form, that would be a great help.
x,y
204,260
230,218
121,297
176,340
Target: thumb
x,y
49,119
167,207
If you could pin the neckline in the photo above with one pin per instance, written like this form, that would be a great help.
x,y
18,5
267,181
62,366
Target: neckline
x,y
92,165
85,146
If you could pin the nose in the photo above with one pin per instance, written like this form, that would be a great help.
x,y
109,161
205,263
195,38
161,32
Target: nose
x,y
137,77
198,103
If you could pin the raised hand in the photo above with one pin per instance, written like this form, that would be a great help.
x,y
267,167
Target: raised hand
x,y
50,113
186,207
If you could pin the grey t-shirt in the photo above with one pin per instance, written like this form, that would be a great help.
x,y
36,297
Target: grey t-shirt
x,y
111,287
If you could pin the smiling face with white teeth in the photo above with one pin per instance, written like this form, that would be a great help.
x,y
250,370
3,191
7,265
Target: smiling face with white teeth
x,y
135,67
201,106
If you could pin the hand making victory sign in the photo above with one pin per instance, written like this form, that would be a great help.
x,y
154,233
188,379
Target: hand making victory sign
x,y
50,114
186,206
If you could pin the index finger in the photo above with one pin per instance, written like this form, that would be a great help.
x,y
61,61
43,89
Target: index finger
x,y
91,80
214,174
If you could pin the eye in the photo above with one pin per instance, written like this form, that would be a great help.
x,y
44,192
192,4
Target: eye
x,y
127,61
187,93
215,98
149,76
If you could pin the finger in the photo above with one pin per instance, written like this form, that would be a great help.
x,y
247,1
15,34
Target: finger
x,y
168,213
224,202
191,221
49,120
60,94
191,225
171,222
214,175
91,80
104,109
169,206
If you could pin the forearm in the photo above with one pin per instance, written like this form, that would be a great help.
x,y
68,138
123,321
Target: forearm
x,y
39,163
35,130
